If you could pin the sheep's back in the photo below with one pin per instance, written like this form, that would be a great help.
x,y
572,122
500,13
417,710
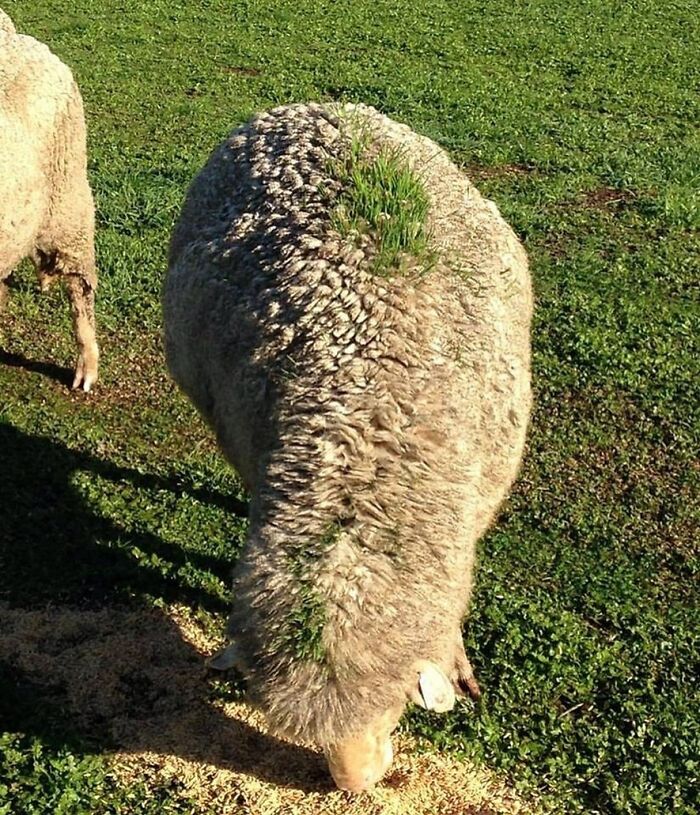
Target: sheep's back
x,y
262,292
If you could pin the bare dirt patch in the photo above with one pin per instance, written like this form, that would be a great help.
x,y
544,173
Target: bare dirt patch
x,y
134,681
243,70
606,198
477,172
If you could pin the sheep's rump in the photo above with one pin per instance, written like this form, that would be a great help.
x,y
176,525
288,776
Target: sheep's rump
x,y
41,126
378,419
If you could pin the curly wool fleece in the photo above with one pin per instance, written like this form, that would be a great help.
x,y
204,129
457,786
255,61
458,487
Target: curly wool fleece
x,y
6,24
46,206
378,422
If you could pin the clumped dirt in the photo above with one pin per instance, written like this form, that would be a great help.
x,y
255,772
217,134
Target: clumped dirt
x,y
135,682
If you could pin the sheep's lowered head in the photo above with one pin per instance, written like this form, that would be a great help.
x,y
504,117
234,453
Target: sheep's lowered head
x,y
357,763
361,760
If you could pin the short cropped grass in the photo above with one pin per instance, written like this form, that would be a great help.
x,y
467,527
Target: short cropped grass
x,y
581,121
37,779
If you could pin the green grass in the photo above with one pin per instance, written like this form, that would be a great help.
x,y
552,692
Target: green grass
x,y
381,197
36,779
301,631
580,121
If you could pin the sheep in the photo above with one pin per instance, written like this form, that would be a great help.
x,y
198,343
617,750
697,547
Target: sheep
x,y
46,206
377,416
6,24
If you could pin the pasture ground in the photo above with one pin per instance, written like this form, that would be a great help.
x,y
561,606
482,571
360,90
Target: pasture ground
x,y
119,521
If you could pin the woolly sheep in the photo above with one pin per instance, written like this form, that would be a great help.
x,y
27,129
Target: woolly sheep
x,y
6,24
46,208
377,420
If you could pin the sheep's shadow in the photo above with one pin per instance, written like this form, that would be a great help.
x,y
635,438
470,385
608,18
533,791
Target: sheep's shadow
x,y
54,547
77,664
124,679
58,373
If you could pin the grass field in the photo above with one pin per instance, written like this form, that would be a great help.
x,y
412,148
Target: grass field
x,y
581,121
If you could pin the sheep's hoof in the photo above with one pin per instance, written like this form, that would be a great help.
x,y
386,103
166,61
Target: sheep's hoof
x,y
225,658
464,679
85,374
472,687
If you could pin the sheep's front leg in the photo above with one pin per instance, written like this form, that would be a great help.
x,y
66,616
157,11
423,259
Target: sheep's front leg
x,y
4,294
82,303
463,674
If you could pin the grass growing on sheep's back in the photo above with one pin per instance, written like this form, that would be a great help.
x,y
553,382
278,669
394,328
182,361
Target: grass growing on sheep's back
x,y
581,121
383,199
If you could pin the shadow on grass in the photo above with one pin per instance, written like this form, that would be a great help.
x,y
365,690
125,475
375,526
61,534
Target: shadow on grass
x,y
55,548
123,678
77,665
58,373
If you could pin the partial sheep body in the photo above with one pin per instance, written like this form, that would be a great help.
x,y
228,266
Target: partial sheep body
x,y
46,206
378,421
6,24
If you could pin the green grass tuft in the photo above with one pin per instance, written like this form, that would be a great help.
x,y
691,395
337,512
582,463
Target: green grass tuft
x,y
383,198
302,631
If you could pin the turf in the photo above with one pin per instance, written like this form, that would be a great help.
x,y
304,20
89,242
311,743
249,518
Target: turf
x,y
580,121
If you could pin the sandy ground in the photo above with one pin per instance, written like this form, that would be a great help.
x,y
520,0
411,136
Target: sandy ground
x,y
135,681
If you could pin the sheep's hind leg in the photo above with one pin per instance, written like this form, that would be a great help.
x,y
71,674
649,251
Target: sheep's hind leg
x,y
82,303
5,274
